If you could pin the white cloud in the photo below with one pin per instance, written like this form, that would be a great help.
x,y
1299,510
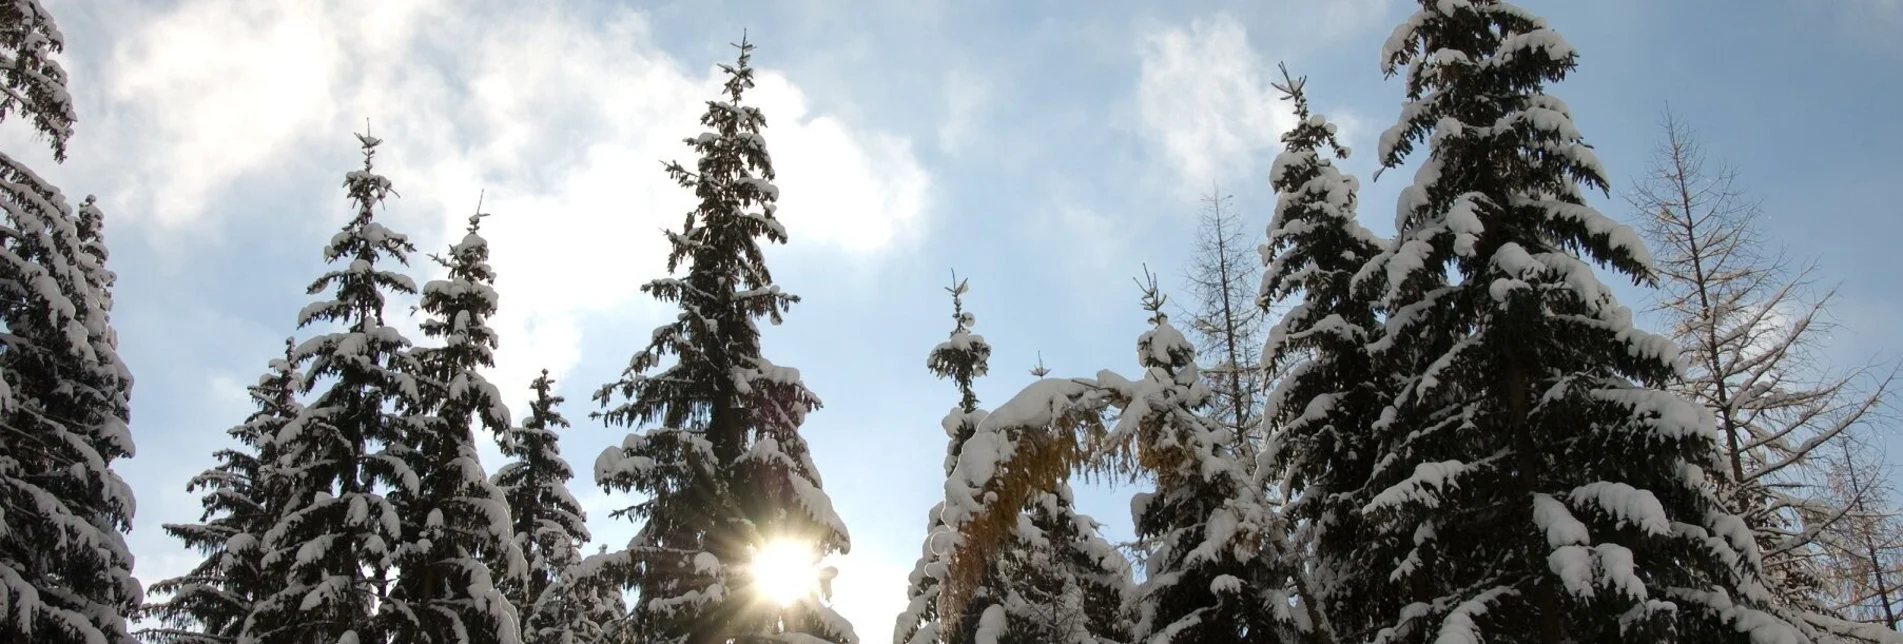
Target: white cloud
x,y
214,105
1203,97
563,117
857,191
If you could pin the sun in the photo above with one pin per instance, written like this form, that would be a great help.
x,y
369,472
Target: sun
x,y
784,571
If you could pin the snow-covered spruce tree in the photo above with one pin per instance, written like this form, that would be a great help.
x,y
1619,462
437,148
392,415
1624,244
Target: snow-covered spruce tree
x,y
723,471
1055,580
1746,329
1225,323
1319,451
1536,484
963,357
65,571
1060,581
242,500
1211,575
455,521
336,539
549,528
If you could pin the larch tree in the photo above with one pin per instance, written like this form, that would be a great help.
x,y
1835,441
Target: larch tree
x,y
337,537
455,522
1746,328
1321,412
1225,324
1536,482
722,471
243,496
1861,554
555,601
65,570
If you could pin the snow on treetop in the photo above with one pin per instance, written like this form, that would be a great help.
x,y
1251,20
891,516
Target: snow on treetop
x,y
1163,344
1546,40
960,341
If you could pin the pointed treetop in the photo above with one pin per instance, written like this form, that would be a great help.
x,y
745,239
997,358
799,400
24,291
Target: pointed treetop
x,y
1311,131
1040,370
963,357
1153,297
369,142
962,319
475,220
741,71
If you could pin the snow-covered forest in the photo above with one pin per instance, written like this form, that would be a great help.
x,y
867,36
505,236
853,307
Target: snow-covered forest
x,y
1455,433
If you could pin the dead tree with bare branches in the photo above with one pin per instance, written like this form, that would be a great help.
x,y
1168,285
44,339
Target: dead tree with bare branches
x,y
1224,322
1748,320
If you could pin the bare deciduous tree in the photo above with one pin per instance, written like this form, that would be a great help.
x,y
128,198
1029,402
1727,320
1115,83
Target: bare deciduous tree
x,y
1748,321
1862,552
1225,324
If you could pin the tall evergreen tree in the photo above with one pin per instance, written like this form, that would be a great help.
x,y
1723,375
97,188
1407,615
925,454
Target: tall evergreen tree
x,y
1321,411
1536,484
963,357
724,472
549,529
209,604
337,537
455,521
65,571
1210,576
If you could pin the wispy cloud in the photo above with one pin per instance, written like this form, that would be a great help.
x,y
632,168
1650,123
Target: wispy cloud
x,y
1203,99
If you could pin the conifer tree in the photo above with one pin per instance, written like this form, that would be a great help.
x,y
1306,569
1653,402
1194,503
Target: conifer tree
x,y
963,357
549,528
1210,575
723,470
1060,581
1862,558
1746,326
1225,324
455,521
1535,483
209,604
1056,580
65,571
337,536
1322,408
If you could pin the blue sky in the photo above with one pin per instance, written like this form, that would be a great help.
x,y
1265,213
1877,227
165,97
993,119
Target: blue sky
x,y
1044,150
